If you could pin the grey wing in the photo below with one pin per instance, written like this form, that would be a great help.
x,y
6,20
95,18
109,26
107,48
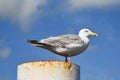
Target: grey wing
x,y
63,40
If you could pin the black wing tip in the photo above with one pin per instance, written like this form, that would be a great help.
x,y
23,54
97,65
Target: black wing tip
x,y
28,41
32,41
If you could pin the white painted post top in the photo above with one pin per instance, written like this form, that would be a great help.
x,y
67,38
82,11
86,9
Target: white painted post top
x,y
48,70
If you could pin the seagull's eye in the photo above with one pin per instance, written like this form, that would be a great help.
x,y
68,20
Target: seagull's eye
x,y
86,31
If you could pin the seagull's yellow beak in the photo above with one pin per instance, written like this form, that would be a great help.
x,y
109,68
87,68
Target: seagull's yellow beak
x,y
94,34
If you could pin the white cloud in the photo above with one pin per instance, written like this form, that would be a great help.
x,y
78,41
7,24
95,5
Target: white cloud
x,y
21,11
7,7
28,11
78,4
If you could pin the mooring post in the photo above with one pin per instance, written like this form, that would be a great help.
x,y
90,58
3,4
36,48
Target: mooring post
x,y
48,70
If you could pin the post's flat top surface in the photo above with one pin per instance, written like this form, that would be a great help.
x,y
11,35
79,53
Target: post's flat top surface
x,y
50,63
47,62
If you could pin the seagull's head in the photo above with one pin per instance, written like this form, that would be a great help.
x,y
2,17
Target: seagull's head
x,y
87,32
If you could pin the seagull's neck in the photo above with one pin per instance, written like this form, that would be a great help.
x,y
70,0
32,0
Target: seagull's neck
x,y
84,38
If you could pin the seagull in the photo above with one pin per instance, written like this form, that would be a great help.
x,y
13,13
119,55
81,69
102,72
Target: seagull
x,y
66,45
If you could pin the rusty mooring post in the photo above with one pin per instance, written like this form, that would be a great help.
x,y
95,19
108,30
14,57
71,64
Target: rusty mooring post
x,y
48,70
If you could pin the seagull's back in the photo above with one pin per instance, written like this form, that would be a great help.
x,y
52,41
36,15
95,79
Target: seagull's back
x,y
62,40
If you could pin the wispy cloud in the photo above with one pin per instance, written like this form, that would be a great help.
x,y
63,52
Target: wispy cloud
x,y
4,50
78,4
5,78
21,11
28,11
24,12
110,35
92,48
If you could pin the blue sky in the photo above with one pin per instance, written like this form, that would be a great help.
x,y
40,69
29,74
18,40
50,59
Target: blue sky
x,y
37,19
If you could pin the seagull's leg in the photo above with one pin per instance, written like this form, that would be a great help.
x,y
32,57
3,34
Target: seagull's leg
x,y
67,59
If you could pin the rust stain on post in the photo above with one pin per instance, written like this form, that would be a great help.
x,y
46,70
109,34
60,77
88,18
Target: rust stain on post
x,y
68,65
